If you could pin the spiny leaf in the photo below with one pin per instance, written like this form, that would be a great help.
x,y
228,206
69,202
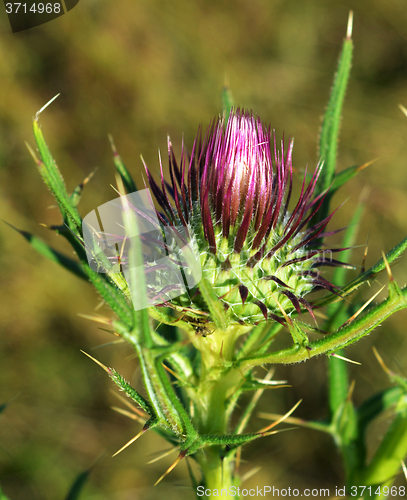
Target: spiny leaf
x,y
341,178
47,251
52,171
390,257
130,392
344,176
124,386
328,141
54,180
166,404
236,440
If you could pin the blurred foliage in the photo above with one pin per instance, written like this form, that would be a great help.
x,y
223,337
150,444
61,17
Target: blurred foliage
x,y
140,70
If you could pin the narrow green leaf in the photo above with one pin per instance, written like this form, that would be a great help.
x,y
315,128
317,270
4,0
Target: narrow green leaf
x,y
387,459
169,412
125,387
378,403
344,176
338,181
163,397
127,179
328,141
78,485
47,251
385,464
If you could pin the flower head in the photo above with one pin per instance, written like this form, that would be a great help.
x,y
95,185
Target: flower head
x,y
233,194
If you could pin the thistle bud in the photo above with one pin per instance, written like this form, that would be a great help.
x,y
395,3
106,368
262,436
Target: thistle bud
x,y
232,193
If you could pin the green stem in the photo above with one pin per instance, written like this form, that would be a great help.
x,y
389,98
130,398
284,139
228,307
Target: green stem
x,y
341,338
337,312
217,383
217,472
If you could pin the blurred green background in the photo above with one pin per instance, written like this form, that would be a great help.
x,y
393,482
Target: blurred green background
x,y
139,70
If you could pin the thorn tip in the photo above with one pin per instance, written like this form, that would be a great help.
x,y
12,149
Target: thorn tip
x,y
350,25
403,109
37,114
107,370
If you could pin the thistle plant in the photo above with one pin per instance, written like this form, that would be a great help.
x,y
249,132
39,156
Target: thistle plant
x,y
252,271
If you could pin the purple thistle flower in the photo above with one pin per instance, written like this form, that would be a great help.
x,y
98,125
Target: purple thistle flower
x,y
232,193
